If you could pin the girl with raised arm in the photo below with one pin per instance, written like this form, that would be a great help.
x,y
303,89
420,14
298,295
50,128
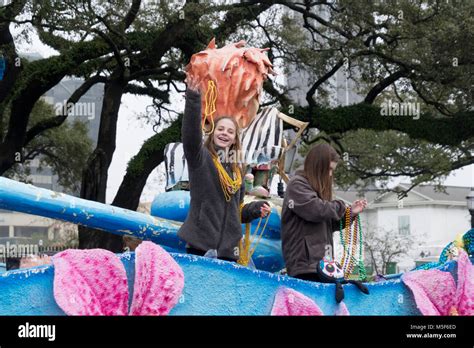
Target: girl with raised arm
x,y
216,184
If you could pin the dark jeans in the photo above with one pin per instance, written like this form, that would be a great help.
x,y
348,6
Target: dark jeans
x,y
312,277
194,251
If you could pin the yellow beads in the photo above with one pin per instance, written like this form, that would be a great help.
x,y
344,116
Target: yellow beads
x,y
210,98
244,247
229,186
246,251
349,244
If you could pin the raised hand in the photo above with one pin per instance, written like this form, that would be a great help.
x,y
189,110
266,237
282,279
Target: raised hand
x,y
193,82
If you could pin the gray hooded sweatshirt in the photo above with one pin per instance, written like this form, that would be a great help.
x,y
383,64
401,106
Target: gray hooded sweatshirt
x,y
212,222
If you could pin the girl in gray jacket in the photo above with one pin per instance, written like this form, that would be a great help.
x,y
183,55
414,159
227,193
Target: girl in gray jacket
x,y
216,182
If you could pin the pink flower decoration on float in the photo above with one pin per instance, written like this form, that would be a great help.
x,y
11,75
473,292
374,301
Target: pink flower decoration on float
x,y
437,293
94,282
289,302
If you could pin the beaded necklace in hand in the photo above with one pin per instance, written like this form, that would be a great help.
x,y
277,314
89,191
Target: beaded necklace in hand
x,y
210,102
349,244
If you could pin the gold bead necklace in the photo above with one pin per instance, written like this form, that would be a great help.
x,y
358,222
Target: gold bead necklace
x,y
229,186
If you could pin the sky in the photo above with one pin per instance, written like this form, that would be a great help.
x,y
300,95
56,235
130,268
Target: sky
x,y
132,132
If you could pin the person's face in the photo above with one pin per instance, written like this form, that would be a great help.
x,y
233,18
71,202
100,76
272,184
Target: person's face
x,y
332,167
224,133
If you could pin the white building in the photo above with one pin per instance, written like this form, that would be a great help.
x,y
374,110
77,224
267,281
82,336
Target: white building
x,y
13,224
432,218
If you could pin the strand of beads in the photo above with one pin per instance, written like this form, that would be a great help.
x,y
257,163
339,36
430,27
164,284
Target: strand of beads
x,y
344,239
229,186
353,244
349,243
210,102
362,271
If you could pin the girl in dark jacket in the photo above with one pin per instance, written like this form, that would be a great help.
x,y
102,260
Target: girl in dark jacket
x,y
310,215
216,185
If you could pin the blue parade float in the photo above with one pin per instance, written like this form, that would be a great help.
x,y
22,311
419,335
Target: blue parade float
x,y
174,205
211,287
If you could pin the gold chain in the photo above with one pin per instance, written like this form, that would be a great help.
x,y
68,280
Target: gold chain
x,y
210,100
349,242
246,251
229,186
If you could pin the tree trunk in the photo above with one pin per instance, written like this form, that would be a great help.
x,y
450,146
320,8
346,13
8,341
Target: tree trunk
x,y
374,263
94,177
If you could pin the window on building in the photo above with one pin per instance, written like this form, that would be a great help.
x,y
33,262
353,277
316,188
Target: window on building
x,y
4,231
404,225
46,186
31,232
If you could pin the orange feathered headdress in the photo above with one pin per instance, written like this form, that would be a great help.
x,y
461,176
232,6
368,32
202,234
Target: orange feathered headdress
x,y
238,74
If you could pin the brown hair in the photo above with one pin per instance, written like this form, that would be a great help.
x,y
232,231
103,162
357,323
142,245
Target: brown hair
x,y
316,169
236,146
